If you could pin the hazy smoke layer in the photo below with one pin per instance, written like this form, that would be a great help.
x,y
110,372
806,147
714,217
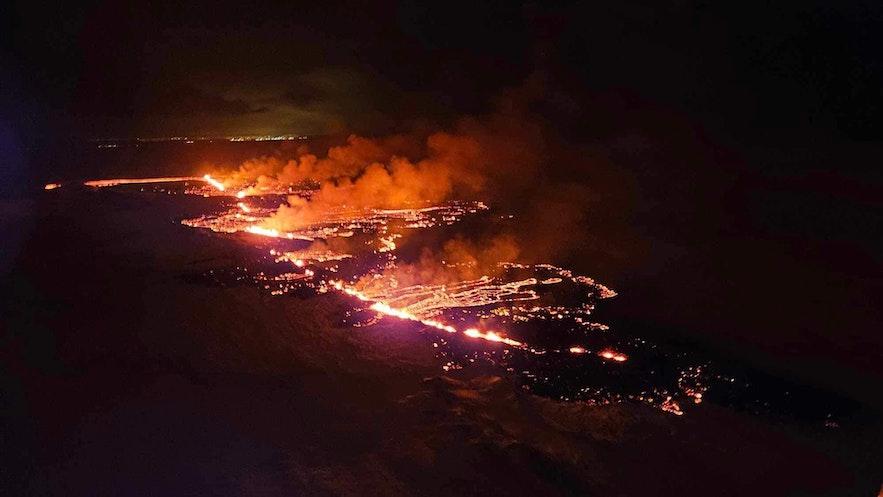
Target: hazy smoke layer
x,y
502,158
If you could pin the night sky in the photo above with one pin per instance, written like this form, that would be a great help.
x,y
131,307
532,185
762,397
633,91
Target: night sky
x,y
751,71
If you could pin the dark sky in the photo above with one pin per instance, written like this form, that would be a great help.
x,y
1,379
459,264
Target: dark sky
x,y
102,69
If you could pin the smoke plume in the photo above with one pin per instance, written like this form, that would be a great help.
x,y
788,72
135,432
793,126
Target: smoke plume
x,y
502,158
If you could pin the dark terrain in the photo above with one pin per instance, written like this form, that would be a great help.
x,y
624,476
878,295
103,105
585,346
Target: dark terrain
x,y
121,378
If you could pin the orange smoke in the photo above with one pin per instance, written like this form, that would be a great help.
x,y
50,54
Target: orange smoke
x,y
351,183
457,261
274,174
509,156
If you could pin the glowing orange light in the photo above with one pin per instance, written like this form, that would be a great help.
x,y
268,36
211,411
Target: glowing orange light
x,y
416,302
257,230
101,183
212,181
387,310
613,355
491,336
52,186
669,405
387,243
274,233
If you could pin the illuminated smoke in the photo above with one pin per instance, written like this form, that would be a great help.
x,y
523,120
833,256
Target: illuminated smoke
x,y
458,260
274,175
398,183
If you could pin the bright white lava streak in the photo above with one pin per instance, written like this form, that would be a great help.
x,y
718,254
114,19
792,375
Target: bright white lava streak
x,y
386,310
417,300
101,183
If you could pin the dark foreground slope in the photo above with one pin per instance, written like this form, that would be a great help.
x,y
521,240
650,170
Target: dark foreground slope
x,y
122,377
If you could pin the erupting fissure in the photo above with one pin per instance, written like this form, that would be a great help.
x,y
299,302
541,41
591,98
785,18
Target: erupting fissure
x,y
215,183
466,291
104,183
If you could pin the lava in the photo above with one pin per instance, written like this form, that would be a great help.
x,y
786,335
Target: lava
x,y
272,233
215,183
539,315
613,355
491,336
103,183
386,310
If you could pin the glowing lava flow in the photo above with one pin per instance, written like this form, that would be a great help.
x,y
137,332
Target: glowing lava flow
x,y
212,181
386,310
101,183
257,230
490,336
612,355
565,354
273,233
